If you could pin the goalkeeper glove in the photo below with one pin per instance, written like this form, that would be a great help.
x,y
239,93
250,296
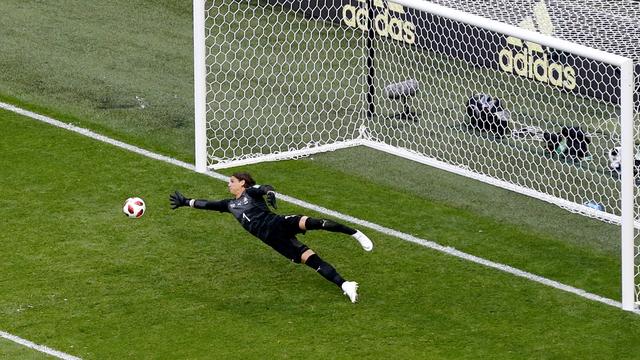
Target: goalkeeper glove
x,y
271,199
271,196
178,200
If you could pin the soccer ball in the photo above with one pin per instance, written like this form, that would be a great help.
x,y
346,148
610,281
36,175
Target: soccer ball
x,y
615,159
134,207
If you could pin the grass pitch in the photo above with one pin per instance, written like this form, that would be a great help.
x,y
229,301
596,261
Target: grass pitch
x,y
84,279
81,278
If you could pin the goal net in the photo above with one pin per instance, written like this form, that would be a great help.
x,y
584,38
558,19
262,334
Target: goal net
x,y
525,95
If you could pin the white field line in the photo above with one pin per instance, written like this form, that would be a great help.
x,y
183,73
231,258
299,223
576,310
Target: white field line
x,y
306,205
41,348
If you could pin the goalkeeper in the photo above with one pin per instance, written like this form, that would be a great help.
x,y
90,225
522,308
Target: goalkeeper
x,y
279,232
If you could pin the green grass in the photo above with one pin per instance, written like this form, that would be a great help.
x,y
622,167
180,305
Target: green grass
x,y
192,284
99,63
11,350
189,284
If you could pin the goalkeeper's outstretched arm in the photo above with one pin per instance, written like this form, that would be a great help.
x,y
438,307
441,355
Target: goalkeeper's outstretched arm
x,y
178,200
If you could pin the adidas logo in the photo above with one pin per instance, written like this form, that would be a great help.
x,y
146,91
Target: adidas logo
x,y
388,22
530,60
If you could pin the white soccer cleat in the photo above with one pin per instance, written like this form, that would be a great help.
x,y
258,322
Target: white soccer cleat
x,y
350,289
364,241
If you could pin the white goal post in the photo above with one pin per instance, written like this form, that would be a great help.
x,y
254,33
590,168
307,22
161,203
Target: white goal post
x,y
509,104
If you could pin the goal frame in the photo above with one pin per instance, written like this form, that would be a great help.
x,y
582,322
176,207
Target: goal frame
x,y
626,66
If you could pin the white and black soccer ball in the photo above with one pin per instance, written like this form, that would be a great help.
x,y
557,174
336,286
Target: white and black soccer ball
x,y
615,159
134,207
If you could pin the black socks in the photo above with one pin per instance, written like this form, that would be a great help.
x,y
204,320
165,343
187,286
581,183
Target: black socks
x,y
322,224
325,269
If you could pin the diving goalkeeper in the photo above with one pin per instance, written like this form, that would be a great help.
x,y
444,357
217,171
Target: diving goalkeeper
x,y
279,232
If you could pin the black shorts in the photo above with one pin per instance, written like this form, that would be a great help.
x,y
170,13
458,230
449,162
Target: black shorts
x,y
283,239
290,248
283,227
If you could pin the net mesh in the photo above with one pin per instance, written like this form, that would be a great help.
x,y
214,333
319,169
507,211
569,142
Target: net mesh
x,y
278,81
611,26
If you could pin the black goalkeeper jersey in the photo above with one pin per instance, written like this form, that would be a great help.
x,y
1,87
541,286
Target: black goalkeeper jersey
x,y
251,211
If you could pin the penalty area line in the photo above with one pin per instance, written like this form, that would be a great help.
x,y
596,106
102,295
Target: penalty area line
x,y
40,348
387,231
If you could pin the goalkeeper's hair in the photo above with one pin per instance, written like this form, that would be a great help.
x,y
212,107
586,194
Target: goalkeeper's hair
x,y
248,180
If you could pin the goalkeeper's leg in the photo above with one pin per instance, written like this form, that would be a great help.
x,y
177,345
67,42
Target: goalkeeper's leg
x,y
298,252
312,260
307,223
